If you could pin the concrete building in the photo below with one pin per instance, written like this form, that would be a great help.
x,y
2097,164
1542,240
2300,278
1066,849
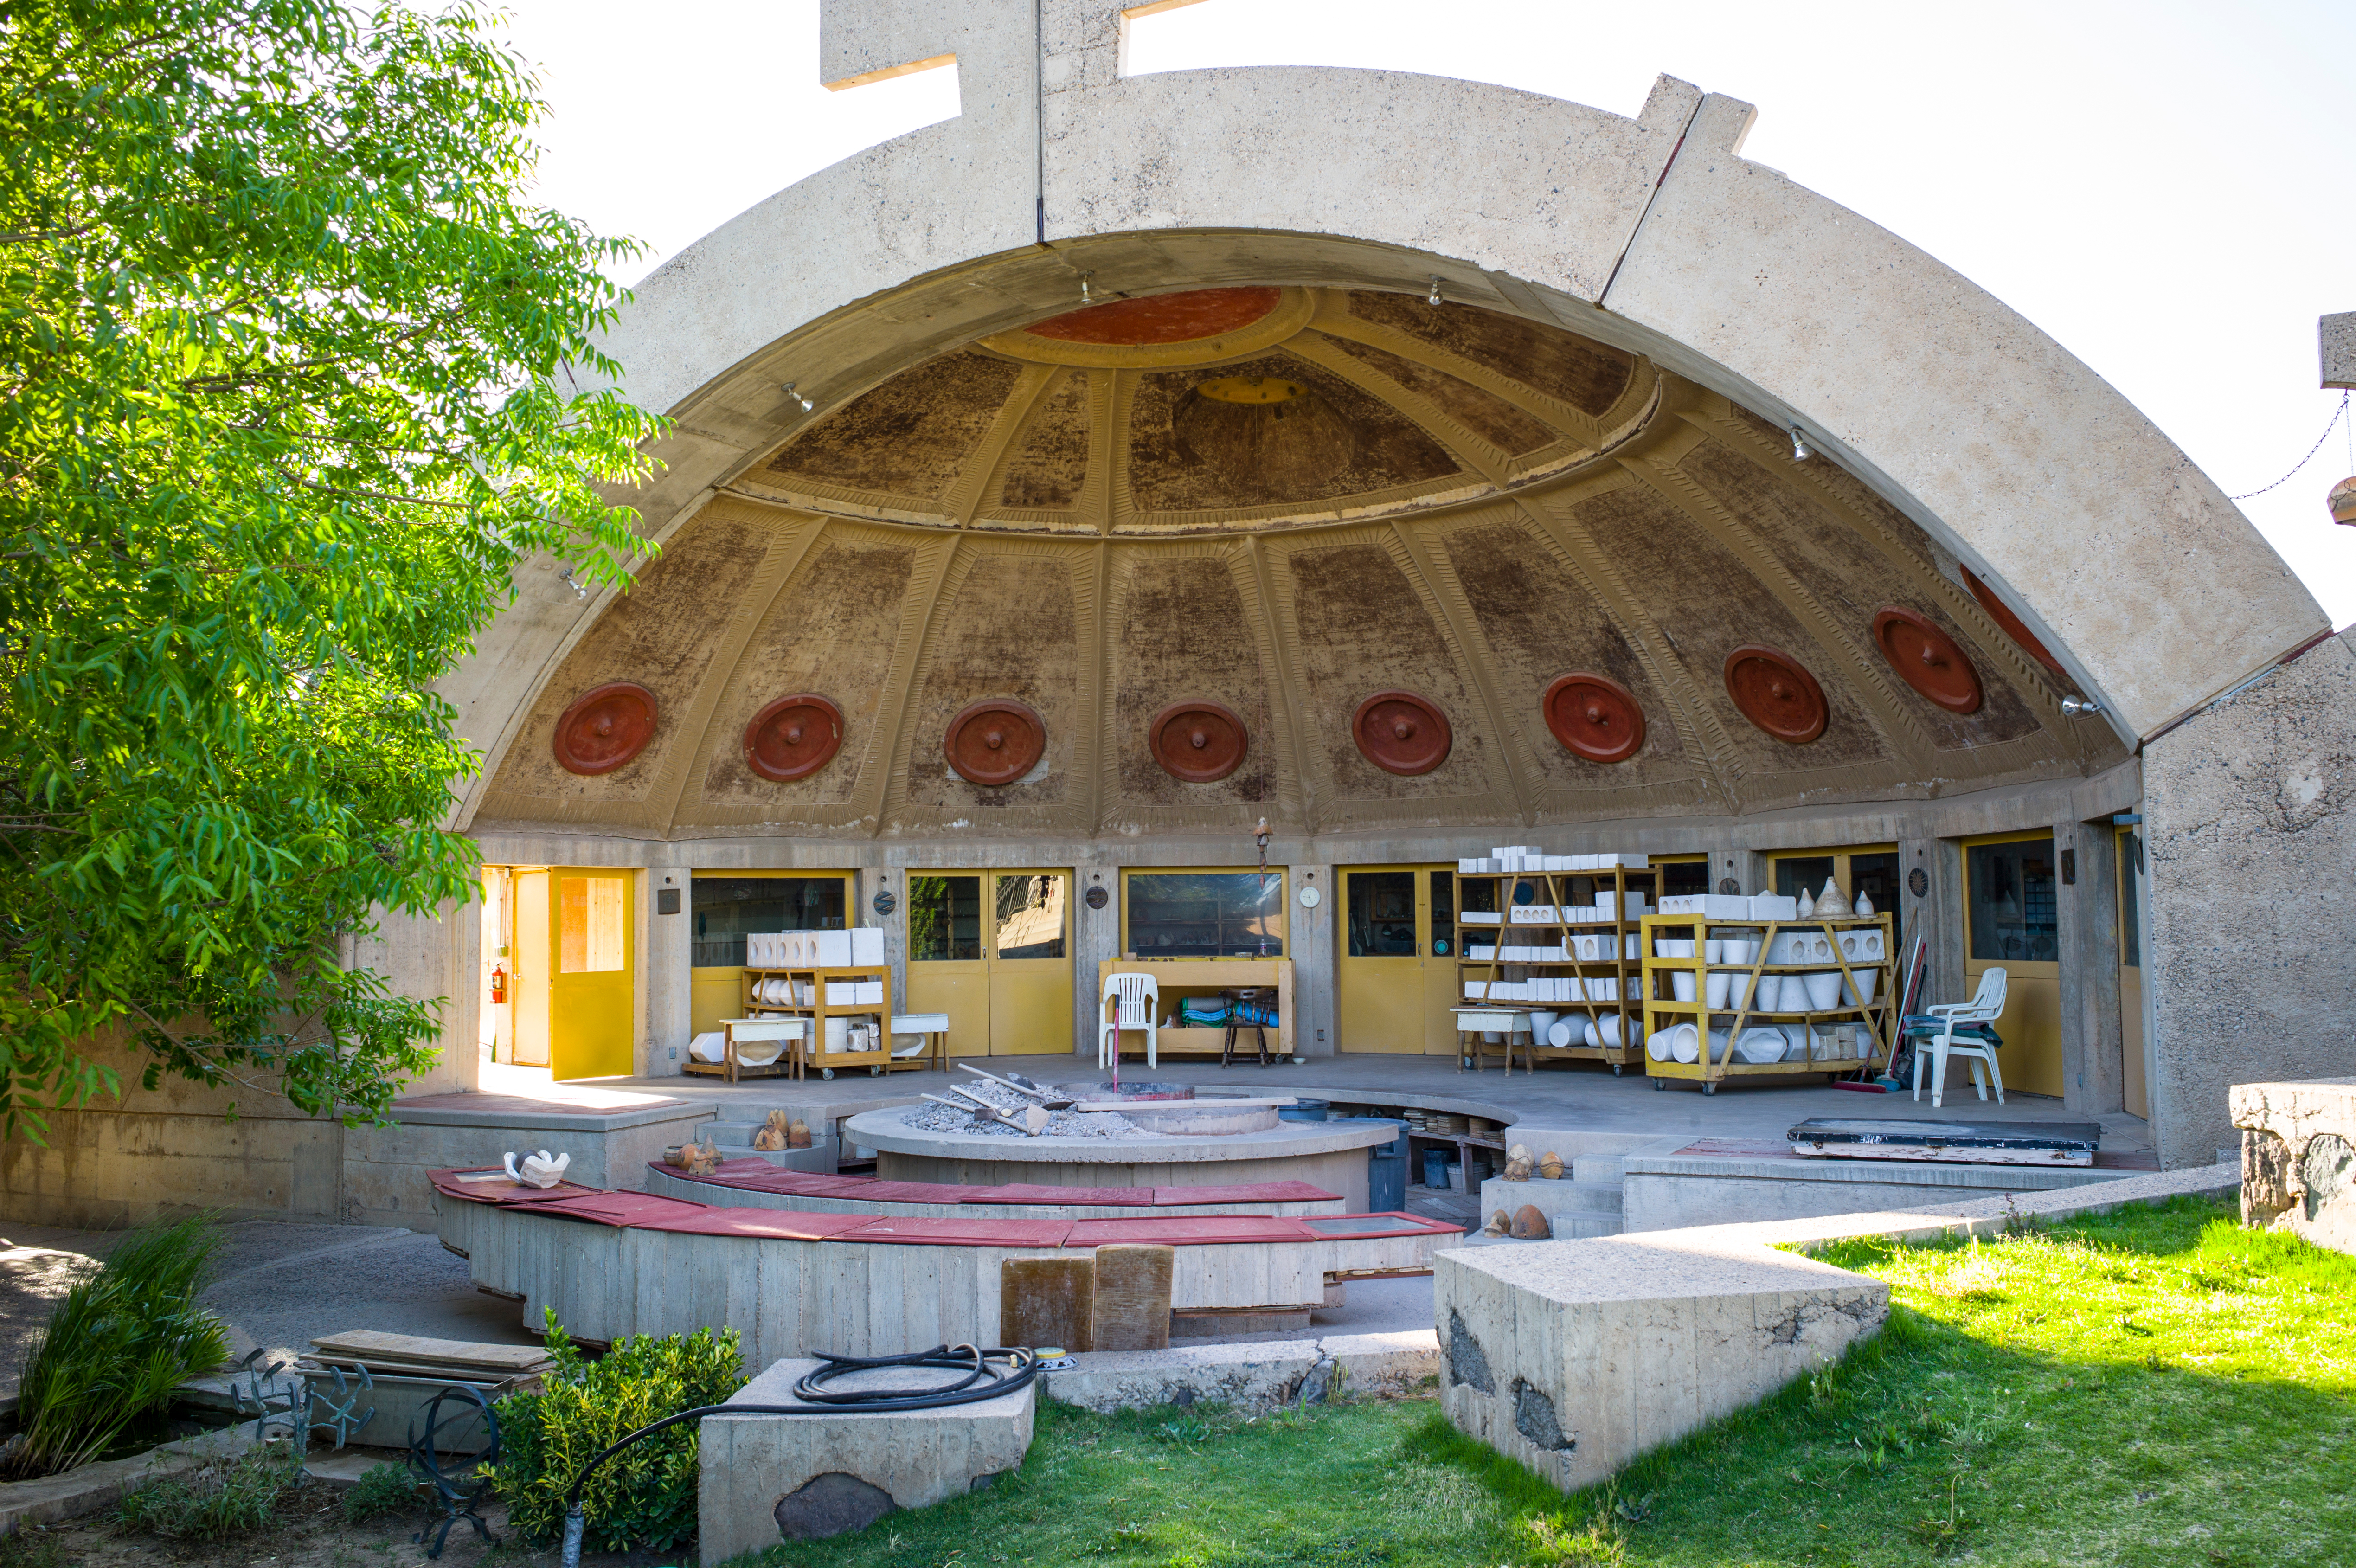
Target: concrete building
x,y
1053,492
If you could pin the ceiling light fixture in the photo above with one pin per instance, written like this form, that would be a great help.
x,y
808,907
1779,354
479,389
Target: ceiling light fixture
x,y
1801,450
1085,298
580,589
806,404
1433,298
2079,707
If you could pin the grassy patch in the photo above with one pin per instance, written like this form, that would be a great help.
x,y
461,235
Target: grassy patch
x,y
2158,1388
218,1502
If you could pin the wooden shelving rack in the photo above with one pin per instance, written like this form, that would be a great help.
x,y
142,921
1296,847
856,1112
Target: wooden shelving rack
x,y
1624,972
1879,1017
811,1049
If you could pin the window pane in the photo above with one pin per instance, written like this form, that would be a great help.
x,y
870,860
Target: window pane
x,y
589,933
1206,914
2130,914
1806,873
1031,915
1876,876
943,918
1443,913
2012,908
726,907
1683,878
1382,914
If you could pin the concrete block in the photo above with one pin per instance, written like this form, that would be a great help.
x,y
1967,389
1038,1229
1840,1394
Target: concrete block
x,y
1669,1191
2298,1157
1257,1375
2338,334
767,1479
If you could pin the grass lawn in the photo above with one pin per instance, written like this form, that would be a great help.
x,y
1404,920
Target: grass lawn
x,y
2155,1388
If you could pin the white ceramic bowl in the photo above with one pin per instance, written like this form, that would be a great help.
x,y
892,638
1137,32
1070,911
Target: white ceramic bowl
x,y
1867,979
1713,952
1770,995
1714,989
1566,1032
1824,989
1681,981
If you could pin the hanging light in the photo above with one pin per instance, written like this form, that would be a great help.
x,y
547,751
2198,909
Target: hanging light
x,y
2343,501
1433,298
1085,298
806,404
1801,450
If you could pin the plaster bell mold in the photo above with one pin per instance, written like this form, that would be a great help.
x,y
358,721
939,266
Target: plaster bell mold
x,y
995,742
606,727
1594,716
1832,904
1197,742
1401,733
793,737
1774,692
1927,659
541,1170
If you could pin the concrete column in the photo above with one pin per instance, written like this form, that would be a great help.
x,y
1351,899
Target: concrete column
x,y
1308,942
1936,914
2091,1068
1747,866
1096,936
666,959
434,958
867,886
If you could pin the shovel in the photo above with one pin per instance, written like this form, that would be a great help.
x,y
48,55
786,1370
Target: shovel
x,y
1052,1101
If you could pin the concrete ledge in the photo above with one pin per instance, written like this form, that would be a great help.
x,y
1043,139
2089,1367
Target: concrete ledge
x,y
385,1168
1252,1376
2298,1157
1668,1191
94,1486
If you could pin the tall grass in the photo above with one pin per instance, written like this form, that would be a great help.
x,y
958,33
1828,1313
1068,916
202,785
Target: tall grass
x,y
116,1347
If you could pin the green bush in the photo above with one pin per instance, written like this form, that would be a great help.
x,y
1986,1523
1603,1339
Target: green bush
x,y
644,1494
116,1345
215,1503
381,1490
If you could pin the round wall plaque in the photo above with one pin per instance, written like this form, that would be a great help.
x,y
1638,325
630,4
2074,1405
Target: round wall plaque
x,y
995,741
793,737
605,727
884,902
1917,881
1098,898
1401,733
1199,742
1594,716
1927,659
1776,693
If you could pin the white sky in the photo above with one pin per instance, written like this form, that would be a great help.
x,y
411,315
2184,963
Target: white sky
x,y
2164,188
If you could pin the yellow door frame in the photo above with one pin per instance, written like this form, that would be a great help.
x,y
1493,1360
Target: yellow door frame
x,y
2134,1079
592,1011
2031,1023
717,991
530,976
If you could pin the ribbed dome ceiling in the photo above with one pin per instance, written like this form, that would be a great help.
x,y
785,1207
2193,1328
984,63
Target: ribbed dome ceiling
x,y
1284,503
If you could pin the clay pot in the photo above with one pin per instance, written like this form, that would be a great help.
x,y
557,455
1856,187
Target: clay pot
x,y
1550,1165
772,1134
1518,1169
1499,1223
1530,1224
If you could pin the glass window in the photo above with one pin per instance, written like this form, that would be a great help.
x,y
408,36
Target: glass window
x,y
589,936
1205,914
2130,915
1680,878
726,907
1795,875
1443,913
1031,915
943,918
2013,915
1382,914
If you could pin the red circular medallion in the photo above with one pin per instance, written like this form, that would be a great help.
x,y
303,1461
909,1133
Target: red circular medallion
x,y
605,727
995,741
1776,693
1401,733
1927,659
793,737
1594,716
1162,318
1197,742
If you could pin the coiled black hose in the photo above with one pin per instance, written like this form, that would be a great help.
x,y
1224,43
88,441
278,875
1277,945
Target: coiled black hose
x,y
982,1381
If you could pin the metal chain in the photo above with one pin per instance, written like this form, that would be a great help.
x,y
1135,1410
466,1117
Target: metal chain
x,y
2338,414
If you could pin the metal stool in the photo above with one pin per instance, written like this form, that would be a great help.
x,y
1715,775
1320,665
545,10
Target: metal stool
x,y
1235,1000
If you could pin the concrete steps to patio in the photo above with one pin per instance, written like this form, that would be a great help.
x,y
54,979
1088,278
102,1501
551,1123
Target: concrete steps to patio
x,y
733,1137
1574,1209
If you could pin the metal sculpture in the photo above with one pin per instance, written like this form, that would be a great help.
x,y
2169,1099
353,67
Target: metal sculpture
x,y
458,1496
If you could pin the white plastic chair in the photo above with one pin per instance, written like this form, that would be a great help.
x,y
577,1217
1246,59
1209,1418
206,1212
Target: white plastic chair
x,y
1136,999
1985,1007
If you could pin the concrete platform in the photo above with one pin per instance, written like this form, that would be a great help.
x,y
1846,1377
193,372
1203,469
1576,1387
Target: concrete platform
x,y
768,1478
1710,1183
2298,1157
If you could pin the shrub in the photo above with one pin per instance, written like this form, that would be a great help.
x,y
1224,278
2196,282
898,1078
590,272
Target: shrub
x,y
30,1546
235,1498
116,1347
644,1494
381,1490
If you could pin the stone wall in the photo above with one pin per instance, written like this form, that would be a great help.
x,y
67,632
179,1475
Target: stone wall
x,y
2252,842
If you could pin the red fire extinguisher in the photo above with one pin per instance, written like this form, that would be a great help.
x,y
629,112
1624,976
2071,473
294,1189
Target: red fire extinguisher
x,y
498,984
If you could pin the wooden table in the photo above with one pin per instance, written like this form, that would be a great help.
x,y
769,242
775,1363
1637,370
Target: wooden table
x,y
1472,1022
1178,976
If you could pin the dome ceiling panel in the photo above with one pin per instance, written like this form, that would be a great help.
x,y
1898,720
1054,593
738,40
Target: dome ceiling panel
x,y
1362,626
909,438
1587,375
1007,624
1048,463
1512,432
1177,619
831,629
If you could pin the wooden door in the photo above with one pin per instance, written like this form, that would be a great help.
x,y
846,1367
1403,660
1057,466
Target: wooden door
x,y
948,970
2011,920
590,1004
1030,964
530,974
1379,973
2131,1038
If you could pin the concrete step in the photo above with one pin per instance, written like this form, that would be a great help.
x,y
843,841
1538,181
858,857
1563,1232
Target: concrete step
x,y
739,1134
1596,1197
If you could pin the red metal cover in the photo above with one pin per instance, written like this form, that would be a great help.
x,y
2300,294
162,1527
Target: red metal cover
x,y
961,1232
502,1193
765,1224
1401,733
1927,659
793,737
623,1210
605,727
911,1192
995,741
1188,1230
1249,1192
1198,742
1776,693
1594,716
1032,1192
2001,613
1162,318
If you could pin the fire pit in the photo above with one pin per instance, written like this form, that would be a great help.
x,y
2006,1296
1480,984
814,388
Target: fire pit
x,y
1100,1091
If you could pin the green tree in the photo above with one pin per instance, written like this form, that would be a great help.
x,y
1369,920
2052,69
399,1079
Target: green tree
x,y
287,389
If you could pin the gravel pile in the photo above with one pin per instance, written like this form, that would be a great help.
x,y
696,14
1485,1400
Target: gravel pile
x,y
931,1118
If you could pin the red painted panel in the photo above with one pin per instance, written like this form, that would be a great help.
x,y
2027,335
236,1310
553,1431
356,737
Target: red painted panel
x,y
1163,318
1188,1229
1247,1192
627,1210
1032,1192
766,1224
962,1232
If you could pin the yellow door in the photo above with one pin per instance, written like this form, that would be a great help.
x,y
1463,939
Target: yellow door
x,y
2130,859
2011,921
1395,974
529,975
947,970
1030,964
590,1012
